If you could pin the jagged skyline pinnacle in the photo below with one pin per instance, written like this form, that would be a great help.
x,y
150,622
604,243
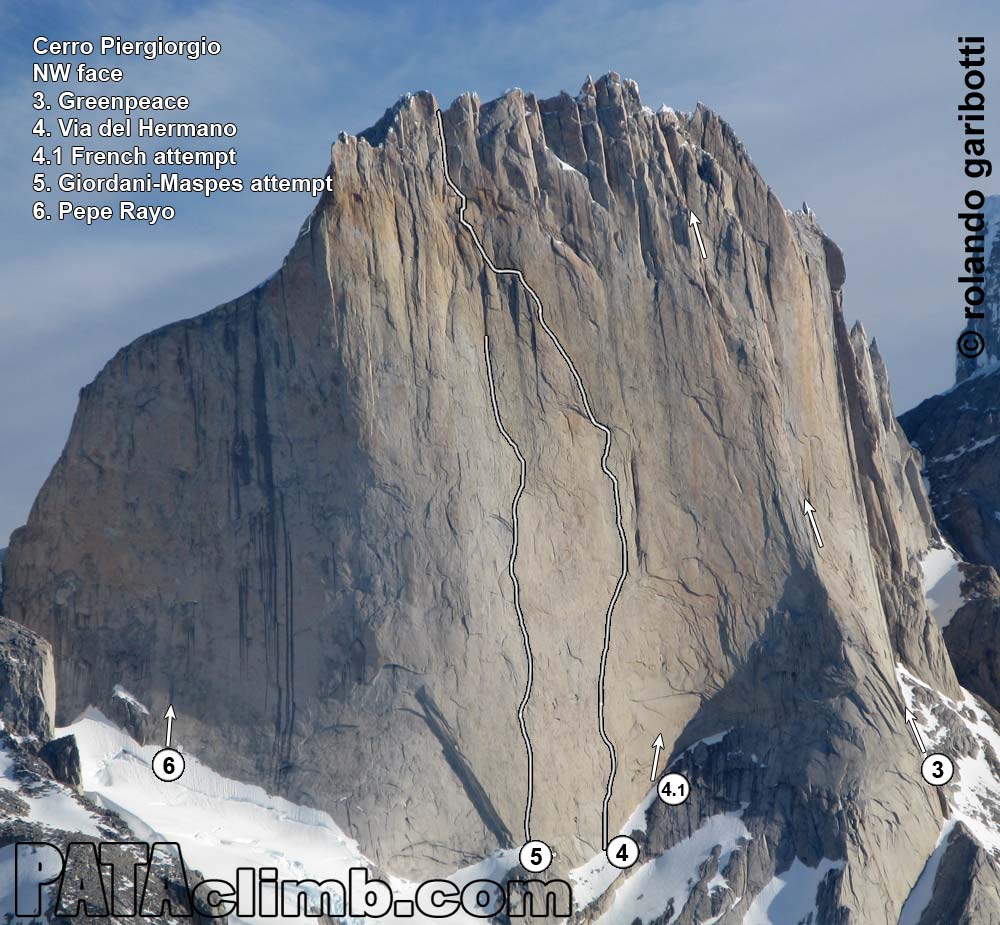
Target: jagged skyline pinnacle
x,y
817,132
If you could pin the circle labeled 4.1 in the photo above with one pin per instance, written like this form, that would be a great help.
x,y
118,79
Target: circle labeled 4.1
x,y
535,856
168,764
937,769
622,852
673,789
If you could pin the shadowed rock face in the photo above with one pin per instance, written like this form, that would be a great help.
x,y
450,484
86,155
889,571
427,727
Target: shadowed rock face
x,y
958,430
964,887
291,516
27,682
973,634
989,325
958,433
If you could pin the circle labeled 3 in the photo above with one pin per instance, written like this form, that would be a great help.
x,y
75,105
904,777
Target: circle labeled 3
x,y
937,769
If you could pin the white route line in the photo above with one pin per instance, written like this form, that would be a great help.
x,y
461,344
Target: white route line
x,y
540,311
517,590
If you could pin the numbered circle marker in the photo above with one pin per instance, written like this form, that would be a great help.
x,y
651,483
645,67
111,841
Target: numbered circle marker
x,y
622,852
937,769
535,856
168,764
673,789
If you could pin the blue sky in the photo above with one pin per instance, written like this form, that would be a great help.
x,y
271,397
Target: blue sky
x,y
847,105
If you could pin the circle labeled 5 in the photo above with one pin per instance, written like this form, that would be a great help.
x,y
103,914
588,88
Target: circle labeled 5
x,y
535,856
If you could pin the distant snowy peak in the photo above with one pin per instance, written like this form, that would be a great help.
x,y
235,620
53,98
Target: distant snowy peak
x,y
988,326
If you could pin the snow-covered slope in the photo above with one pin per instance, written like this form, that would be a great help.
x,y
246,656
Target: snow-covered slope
x,y
963,730
666,881
222,824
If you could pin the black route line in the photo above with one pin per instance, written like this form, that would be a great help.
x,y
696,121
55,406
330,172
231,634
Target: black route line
x,y
540,312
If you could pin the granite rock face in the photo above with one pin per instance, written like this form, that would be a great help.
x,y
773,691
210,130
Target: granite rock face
x,y
965,886
291,515
27,682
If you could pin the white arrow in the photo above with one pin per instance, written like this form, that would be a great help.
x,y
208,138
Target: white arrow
x,y
694,222
658,747
170,716
810,512
911,721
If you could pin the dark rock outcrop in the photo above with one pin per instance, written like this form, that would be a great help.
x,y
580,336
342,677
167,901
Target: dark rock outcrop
x,y
958,435
131,715
973,634
27,682
63,757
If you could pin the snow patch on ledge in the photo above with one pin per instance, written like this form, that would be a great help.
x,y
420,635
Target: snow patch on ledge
x,y
790,896
942,583
123,694
708,741
563,166
968,448
923,889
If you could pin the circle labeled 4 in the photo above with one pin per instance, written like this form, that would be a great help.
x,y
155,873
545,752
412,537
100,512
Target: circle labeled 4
x,y
622,852
673,789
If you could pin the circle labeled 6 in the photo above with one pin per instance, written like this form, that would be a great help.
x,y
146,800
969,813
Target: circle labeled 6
x,y
168,764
